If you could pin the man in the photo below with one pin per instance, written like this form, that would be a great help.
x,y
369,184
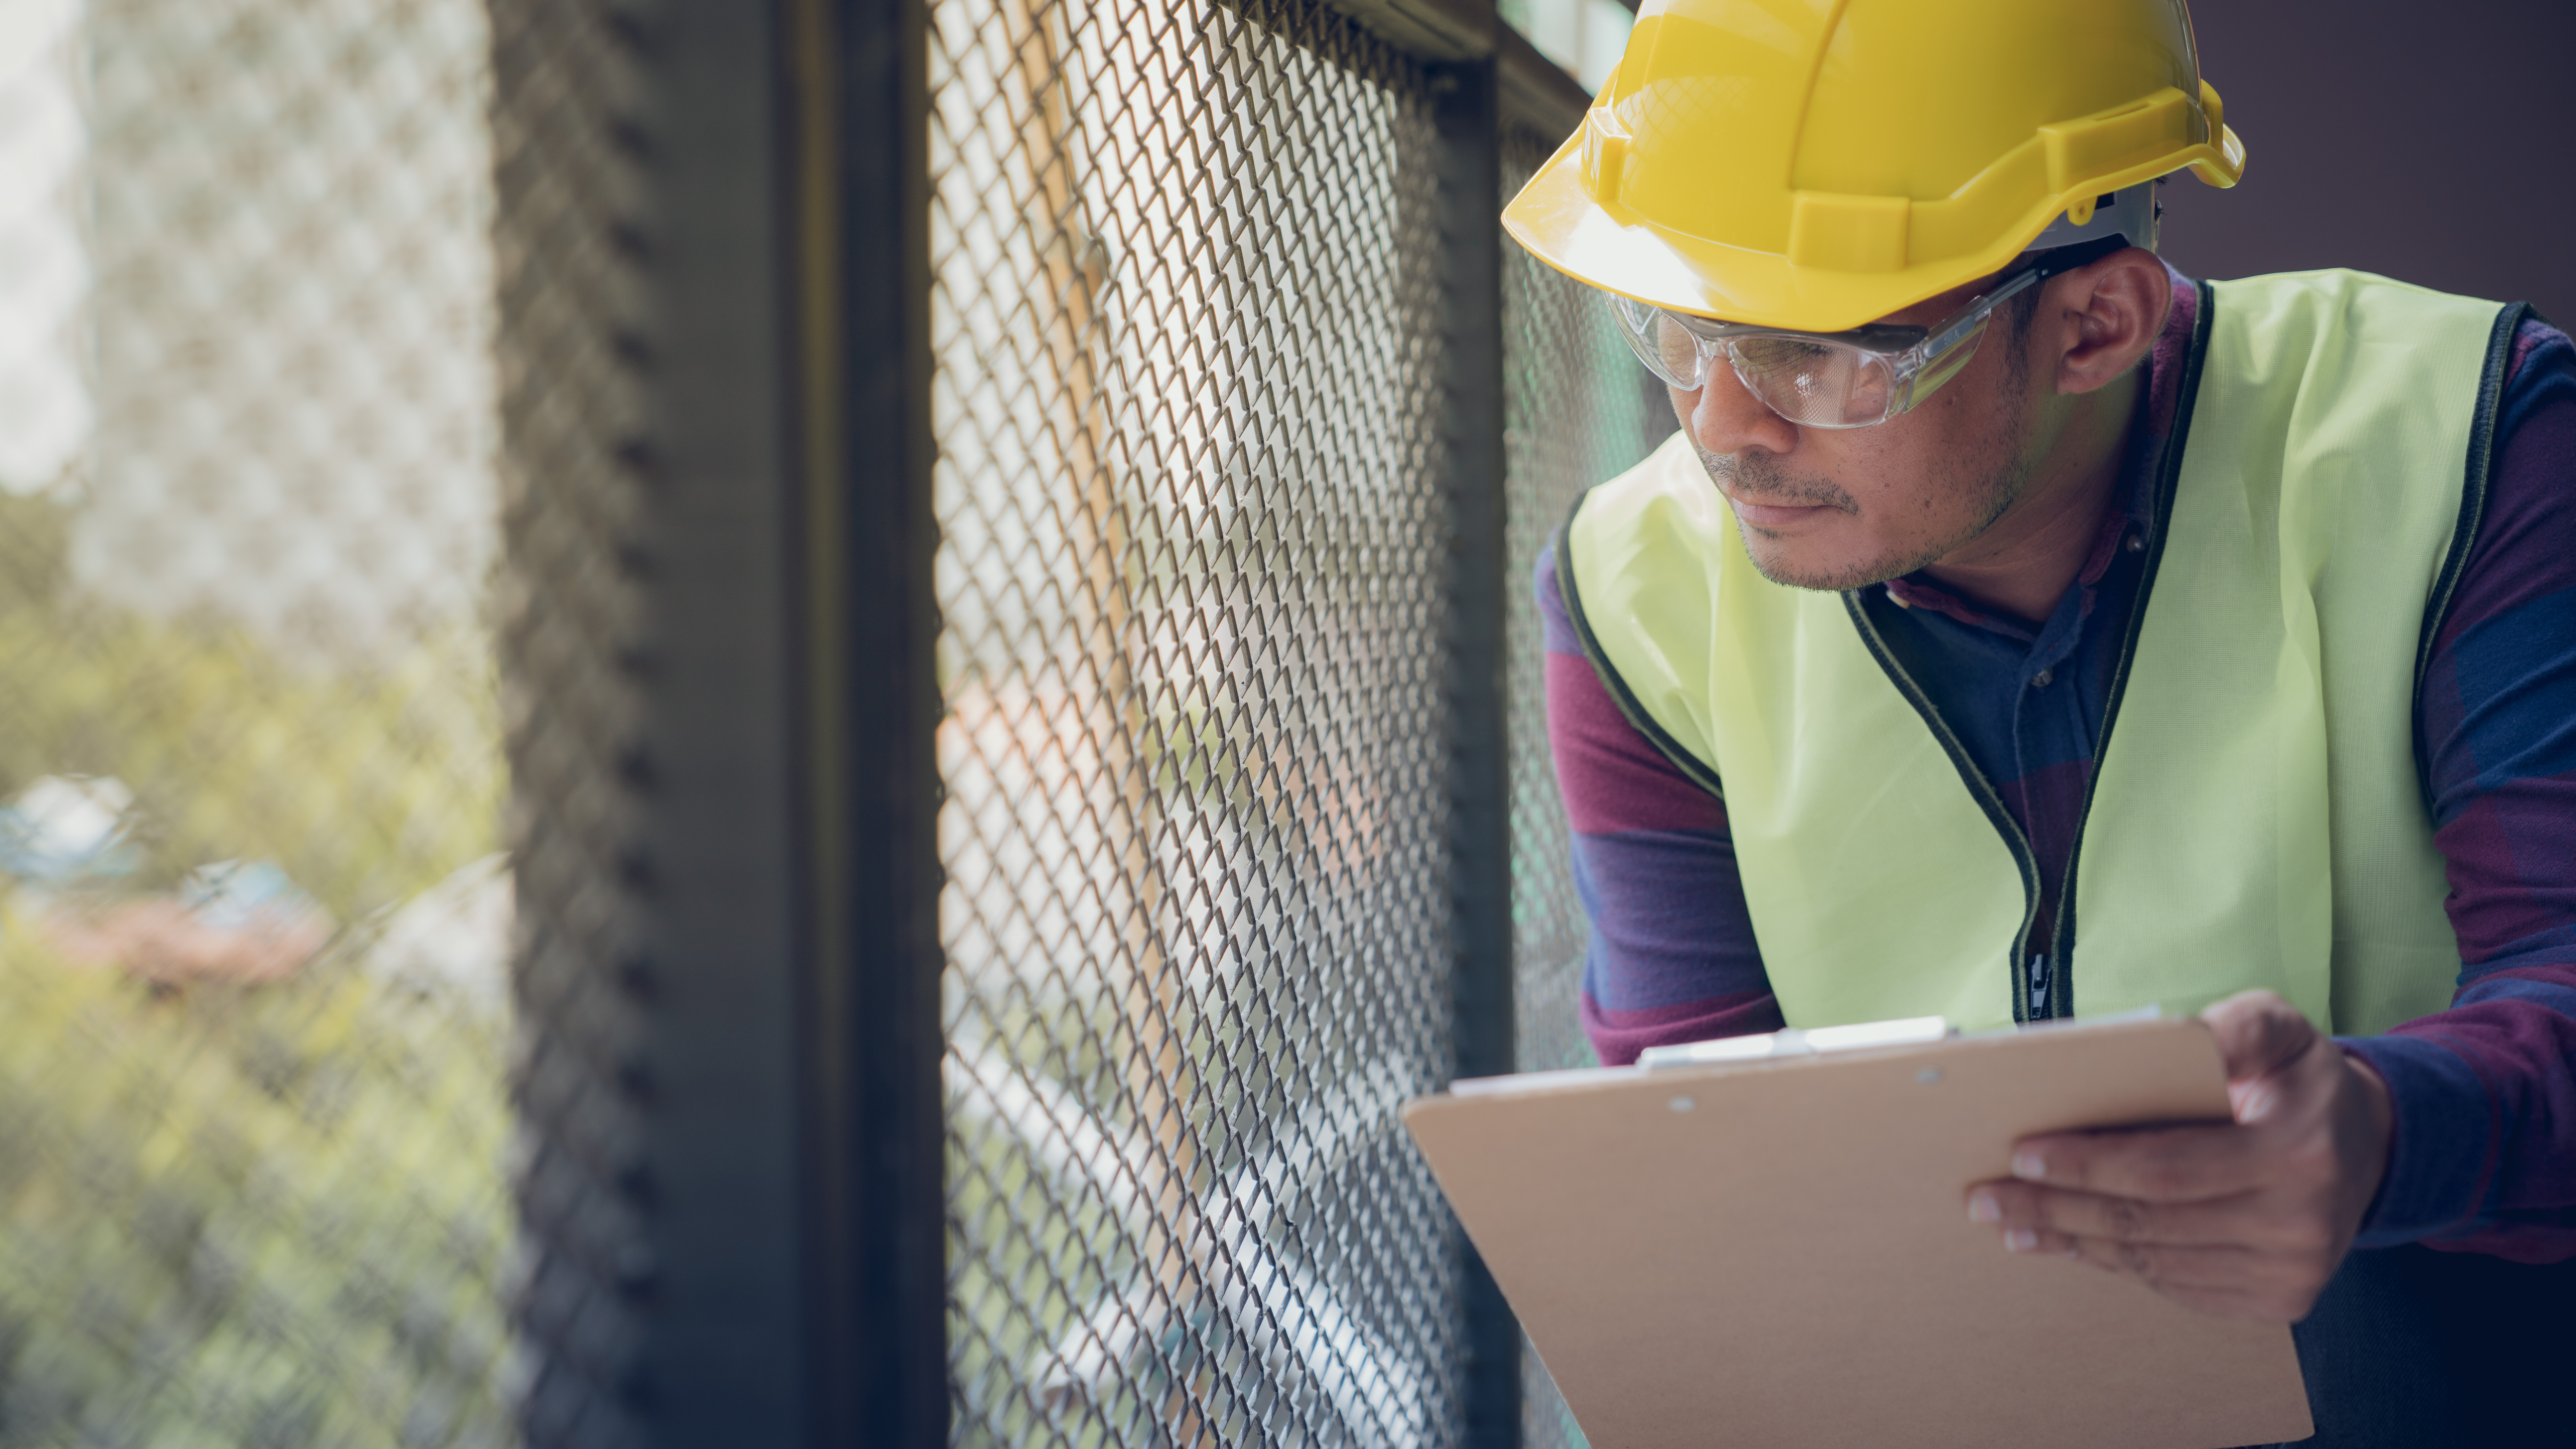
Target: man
x,y
2016,628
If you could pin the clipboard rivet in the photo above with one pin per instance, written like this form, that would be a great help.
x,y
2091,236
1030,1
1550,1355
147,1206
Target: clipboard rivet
x,y
1683,1104
1928,1075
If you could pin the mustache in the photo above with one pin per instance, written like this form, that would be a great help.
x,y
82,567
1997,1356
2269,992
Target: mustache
x,y
1759,479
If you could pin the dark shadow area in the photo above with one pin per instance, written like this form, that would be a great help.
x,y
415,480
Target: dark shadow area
x,y
2426,144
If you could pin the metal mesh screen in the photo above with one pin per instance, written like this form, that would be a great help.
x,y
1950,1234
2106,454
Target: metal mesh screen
x,y
571,128
1577,411
298,587
254,918
1192,575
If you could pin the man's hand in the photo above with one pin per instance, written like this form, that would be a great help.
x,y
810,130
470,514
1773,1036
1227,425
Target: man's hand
x,y
2247,1220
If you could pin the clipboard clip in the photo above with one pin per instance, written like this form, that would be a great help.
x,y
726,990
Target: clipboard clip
x,y
1794,1042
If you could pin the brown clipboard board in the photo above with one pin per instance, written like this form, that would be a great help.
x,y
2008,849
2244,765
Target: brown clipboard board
x,y
1777,1253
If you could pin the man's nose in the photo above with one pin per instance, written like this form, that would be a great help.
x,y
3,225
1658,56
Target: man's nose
x,y
1725,417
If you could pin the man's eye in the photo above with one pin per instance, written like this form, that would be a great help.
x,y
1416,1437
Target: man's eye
x,y
1782,354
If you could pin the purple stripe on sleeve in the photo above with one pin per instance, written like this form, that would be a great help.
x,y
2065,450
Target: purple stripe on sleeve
x,y
1672,956
1669,921
1555,624
2484,1157
2526,542
1625,782
2477,1088
2509,849
1620,1035
2442,1152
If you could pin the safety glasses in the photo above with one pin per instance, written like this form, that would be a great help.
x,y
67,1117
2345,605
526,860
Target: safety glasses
x,y
1819,380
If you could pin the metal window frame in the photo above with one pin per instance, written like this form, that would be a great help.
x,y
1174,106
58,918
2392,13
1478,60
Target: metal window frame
x,y
793,1133
1486,78
876,1210
1470,185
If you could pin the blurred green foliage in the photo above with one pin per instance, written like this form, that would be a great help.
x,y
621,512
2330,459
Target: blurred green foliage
x,y
246,1215
365,784
236,1215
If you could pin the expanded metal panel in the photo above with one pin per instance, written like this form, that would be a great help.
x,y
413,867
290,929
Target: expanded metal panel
x,y
1194,588
254,1015
571,123
1577,412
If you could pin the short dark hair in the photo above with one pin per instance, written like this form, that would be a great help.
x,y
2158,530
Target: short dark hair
x,y
2023,307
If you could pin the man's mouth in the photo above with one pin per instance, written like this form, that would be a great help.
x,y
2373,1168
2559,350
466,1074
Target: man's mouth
x,y
1772,508
1779,514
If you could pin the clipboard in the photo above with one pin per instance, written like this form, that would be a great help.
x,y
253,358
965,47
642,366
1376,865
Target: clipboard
x,y
1774,1250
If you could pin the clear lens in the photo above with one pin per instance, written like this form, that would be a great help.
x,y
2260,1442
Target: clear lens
x,y
1662,344
1820,382
1815,383
1677,354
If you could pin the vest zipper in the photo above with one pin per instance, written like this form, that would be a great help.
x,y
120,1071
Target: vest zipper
x,y
2061,946
2053,967
1988,799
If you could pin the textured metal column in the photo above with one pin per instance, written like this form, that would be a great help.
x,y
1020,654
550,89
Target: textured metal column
x,y
723,1354
860,288
571,101
1470,180
722,706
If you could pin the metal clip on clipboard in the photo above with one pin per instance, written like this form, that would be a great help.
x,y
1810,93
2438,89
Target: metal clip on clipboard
x,y
1859,1036
1793,1042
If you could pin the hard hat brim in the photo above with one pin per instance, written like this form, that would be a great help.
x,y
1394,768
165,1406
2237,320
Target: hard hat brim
x,y
1557,217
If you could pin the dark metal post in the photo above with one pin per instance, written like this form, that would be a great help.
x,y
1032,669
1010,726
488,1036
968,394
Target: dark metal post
x,y
721,1357
1470,182
859,291
715,253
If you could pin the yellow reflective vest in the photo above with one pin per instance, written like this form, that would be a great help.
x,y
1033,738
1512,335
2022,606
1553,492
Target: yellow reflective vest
x,y
2257,814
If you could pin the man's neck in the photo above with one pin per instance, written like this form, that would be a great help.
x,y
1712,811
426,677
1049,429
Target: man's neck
x,y
2022,564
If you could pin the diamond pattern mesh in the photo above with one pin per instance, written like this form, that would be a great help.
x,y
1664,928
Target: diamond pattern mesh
x,y
254,910
297,587
570,140
1187,403
1577,411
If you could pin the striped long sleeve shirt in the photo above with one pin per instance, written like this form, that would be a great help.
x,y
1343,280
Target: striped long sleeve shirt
x,y
2484,1154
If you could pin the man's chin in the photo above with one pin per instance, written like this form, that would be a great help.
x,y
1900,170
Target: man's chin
x,y
1799,568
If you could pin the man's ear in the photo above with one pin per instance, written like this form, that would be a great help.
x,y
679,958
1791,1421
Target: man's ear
x,y
2104,316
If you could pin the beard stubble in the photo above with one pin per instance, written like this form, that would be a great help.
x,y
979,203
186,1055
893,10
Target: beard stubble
x,y
1970,483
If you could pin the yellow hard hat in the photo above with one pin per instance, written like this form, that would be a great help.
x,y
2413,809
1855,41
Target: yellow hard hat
x,y
1819,164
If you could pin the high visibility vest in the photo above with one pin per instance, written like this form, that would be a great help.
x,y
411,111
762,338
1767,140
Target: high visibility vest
x,y
2257,815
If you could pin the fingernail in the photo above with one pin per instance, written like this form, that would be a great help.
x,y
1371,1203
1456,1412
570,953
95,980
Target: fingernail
x,y
2020,1240
2029,1165
1983,1208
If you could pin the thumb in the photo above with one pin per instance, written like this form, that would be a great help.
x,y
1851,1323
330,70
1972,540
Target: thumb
x,y
2258,1035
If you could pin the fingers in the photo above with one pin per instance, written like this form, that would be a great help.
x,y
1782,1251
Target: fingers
x,y
2258,1033
2161,1265
2014,1206
2167,1164
2231,1282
